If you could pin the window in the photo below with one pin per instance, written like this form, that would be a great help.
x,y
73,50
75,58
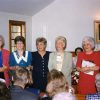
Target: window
x,y
16,28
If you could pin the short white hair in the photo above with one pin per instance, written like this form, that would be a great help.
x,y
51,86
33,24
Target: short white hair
x,y
90,40
64,96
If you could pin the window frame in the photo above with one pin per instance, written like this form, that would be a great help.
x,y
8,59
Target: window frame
x,y
16,23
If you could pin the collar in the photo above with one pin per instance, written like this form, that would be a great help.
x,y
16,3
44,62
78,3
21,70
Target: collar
x,y
18,58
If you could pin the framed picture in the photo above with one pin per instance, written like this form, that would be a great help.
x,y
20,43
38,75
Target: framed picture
x,y
97,30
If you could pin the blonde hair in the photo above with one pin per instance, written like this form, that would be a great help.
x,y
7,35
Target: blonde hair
x,y
3,41
56,83
63,39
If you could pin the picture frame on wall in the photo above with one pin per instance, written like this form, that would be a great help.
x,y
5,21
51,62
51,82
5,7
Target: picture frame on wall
x,y
97,31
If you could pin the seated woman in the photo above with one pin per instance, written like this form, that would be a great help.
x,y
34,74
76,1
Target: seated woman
x,y
64,96
56,84
95,96
4,91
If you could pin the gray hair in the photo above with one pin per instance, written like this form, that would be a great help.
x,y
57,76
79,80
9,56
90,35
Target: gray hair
x,y
90,40
64,96
62,38
3,41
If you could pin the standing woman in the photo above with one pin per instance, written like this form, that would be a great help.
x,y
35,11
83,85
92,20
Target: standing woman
x,y
60,59
88,65
20,57
4,61
40,64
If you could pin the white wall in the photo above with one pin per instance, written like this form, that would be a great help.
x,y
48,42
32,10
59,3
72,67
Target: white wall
x,y
73,19
4,27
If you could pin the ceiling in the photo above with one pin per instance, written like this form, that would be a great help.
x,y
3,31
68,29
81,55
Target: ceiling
x,y
24,7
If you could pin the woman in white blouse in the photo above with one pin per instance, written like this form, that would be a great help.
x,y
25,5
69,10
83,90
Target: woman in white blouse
x,y
60,59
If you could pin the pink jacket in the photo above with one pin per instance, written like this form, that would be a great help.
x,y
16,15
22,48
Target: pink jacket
x,y
5,54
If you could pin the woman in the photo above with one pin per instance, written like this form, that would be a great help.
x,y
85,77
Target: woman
x,y
61,60
40,64
56,83
4,91
77,50
88,65
75,73
64,96
4,61
20,57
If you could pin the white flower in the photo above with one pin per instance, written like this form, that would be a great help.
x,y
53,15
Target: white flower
x,y
75,78
76,73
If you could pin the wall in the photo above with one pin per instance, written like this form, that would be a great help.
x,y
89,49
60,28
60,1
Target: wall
x,y
73,19
4,27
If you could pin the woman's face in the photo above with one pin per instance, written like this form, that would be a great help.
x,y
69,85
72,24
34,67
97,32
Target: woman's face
x,y
78,51
19,45
0,42
87,46
60,45
41,46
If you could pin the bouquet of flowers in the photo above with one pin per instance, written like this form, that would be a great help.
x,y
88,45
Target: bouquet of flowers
x,y
74,76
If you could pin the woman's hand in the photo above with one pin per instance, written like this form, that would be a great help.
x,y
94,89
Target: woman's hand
x,y
2,69
85,69
94,68
13,68
29,68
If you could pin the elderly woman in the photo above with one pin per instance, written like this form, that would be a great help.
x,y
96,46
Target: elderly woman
x,y
88,65
20,57
4,61
40,64
60,59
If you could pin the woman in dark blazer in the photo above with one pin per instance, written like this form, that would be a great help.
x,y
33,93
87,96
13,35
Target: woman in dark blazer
x,y
40,64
